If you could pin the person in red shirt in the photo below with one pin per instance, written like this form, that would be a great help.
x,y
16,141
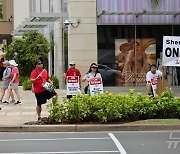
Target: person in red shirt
x,y
37,77
13,85
72,71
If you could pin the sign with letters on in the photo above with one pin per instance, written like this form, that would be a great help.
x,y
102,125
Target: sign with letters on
x,y
96,86
72,85
171,51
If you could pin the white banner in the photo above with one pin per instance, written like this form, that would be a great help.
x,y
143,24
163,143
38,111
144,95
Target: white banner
x,y
73,85
96,86
171,51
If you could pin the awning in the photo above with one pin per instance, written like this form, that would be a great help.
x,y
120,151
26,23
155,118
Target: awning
x,y
37,22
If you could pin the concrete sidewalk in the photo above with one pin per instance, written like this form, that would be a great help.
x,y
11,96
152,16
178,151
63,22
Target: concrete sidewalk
x,y
12,114
13,117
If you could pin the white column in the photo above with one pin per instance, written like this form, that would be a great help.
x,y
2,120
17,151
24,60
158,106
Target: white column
x,y
82,40
58,47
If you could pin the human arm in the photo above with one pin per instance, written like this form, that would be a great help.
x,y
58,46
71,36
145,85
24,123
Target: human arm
x,y
50,81
148,78
85,78
64,75
14,77
7,76
35,79
35,76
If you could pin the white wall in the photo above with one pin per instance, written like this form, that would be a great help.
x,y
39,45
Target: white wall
x,y
21,11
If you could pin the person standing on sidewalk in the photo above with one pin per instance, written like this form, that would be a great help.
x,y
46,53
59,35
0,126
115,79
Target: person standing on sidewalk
x,y
13,85
37,77
92,73
6,80
72,71
152,77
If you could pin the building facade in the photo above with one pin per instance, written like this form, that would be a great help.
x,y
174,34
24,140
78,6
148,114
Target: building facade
x,y
123,36
6,21
114,27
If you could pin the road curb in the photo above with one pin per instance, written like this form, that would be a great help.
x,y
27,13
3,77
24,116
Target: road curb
x,y
88,128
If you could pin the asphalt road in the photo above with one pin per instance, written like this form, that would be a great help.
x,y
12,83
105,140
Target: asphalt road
x,y
161,142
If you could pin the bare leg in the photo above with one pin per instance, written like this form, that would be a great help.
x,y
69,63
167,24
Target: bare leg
x,y
17,94
12,95
38,110
2,94
149,89
9,93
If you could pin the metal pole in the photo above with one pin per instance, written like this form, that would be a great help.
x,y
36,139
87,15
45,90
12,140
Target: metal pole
x,y
135,71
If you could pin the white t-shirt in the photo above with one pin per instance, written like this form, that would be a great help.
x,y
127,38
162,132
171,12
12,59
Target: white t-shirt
x,y
150,75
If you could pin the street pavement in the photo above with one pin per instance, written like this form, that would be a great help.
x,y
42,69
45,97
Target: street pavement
x,y
17,115
157,142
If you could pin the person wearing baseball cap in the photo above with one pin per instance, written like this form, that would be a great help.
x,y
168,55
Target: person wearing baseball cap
x,y
72,71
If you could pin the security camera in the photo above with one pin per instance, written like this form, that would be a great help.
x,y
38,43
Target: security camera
x,y
67,22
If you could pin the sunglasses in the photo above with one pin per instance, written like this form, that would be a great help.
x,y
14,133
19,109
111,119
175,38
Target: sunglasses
x,y
40,63
71,64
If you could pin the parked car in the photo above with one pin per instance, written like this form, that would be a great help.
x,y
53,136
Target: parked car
x,y
108,75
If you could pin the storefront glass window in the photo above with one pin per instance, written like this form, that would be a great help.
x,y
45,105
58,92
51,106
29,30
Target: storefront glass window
x,y
124,58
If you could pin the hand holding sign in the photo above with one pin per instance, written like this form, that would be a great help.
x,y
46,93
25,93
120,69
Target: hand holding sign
x,y
96,86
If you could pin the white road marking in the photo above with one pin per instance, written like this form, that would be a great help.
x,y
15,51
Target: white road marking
x,y
66,152
118,144
54,139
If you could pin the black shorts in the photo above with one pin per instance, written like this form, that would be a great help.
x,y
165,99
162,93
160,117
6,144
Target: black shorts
x,y
43,96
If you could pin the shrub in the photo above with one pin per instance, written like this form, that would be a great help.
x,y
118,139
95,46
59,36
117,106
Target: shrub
x,y
55,81
168,105
57,111
22,79
107,107
27,84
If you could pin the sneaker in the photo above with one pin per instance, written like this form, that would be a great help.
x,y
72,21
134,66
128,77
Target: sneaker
x,y
39,119
12,101
0,108
18,102
5,102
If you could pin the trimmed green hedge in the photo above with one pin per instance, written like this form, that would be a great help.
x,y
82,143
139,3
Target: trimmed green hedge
x,y
107,107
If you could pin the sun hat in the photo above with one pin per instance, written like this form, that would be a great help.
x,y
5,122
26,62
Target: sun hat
x,y
6,62
12,62
72,63
94,65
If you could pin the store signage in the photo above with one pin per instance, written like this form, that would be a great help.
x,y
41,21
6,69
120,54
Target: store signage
x,y
171,51
72,85
96,86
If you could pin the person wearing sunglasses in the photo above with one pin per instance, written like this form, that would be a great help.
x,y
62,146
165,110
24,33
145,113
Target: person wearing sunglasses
x,y
37,77
92,73
72,71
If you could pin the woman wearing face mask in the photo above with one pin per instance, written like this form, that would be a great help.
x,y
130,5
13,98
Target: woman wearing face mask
x,y
92,73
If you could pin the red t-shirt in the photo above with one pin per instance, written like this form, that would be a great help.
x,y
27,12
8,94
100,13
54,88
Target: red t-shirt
x,y
73,72
37,84
15,70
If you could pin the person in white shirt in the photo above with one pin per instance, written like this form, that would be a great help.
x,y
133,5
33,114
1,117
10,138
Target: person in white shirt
x,y
92,73
151,77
